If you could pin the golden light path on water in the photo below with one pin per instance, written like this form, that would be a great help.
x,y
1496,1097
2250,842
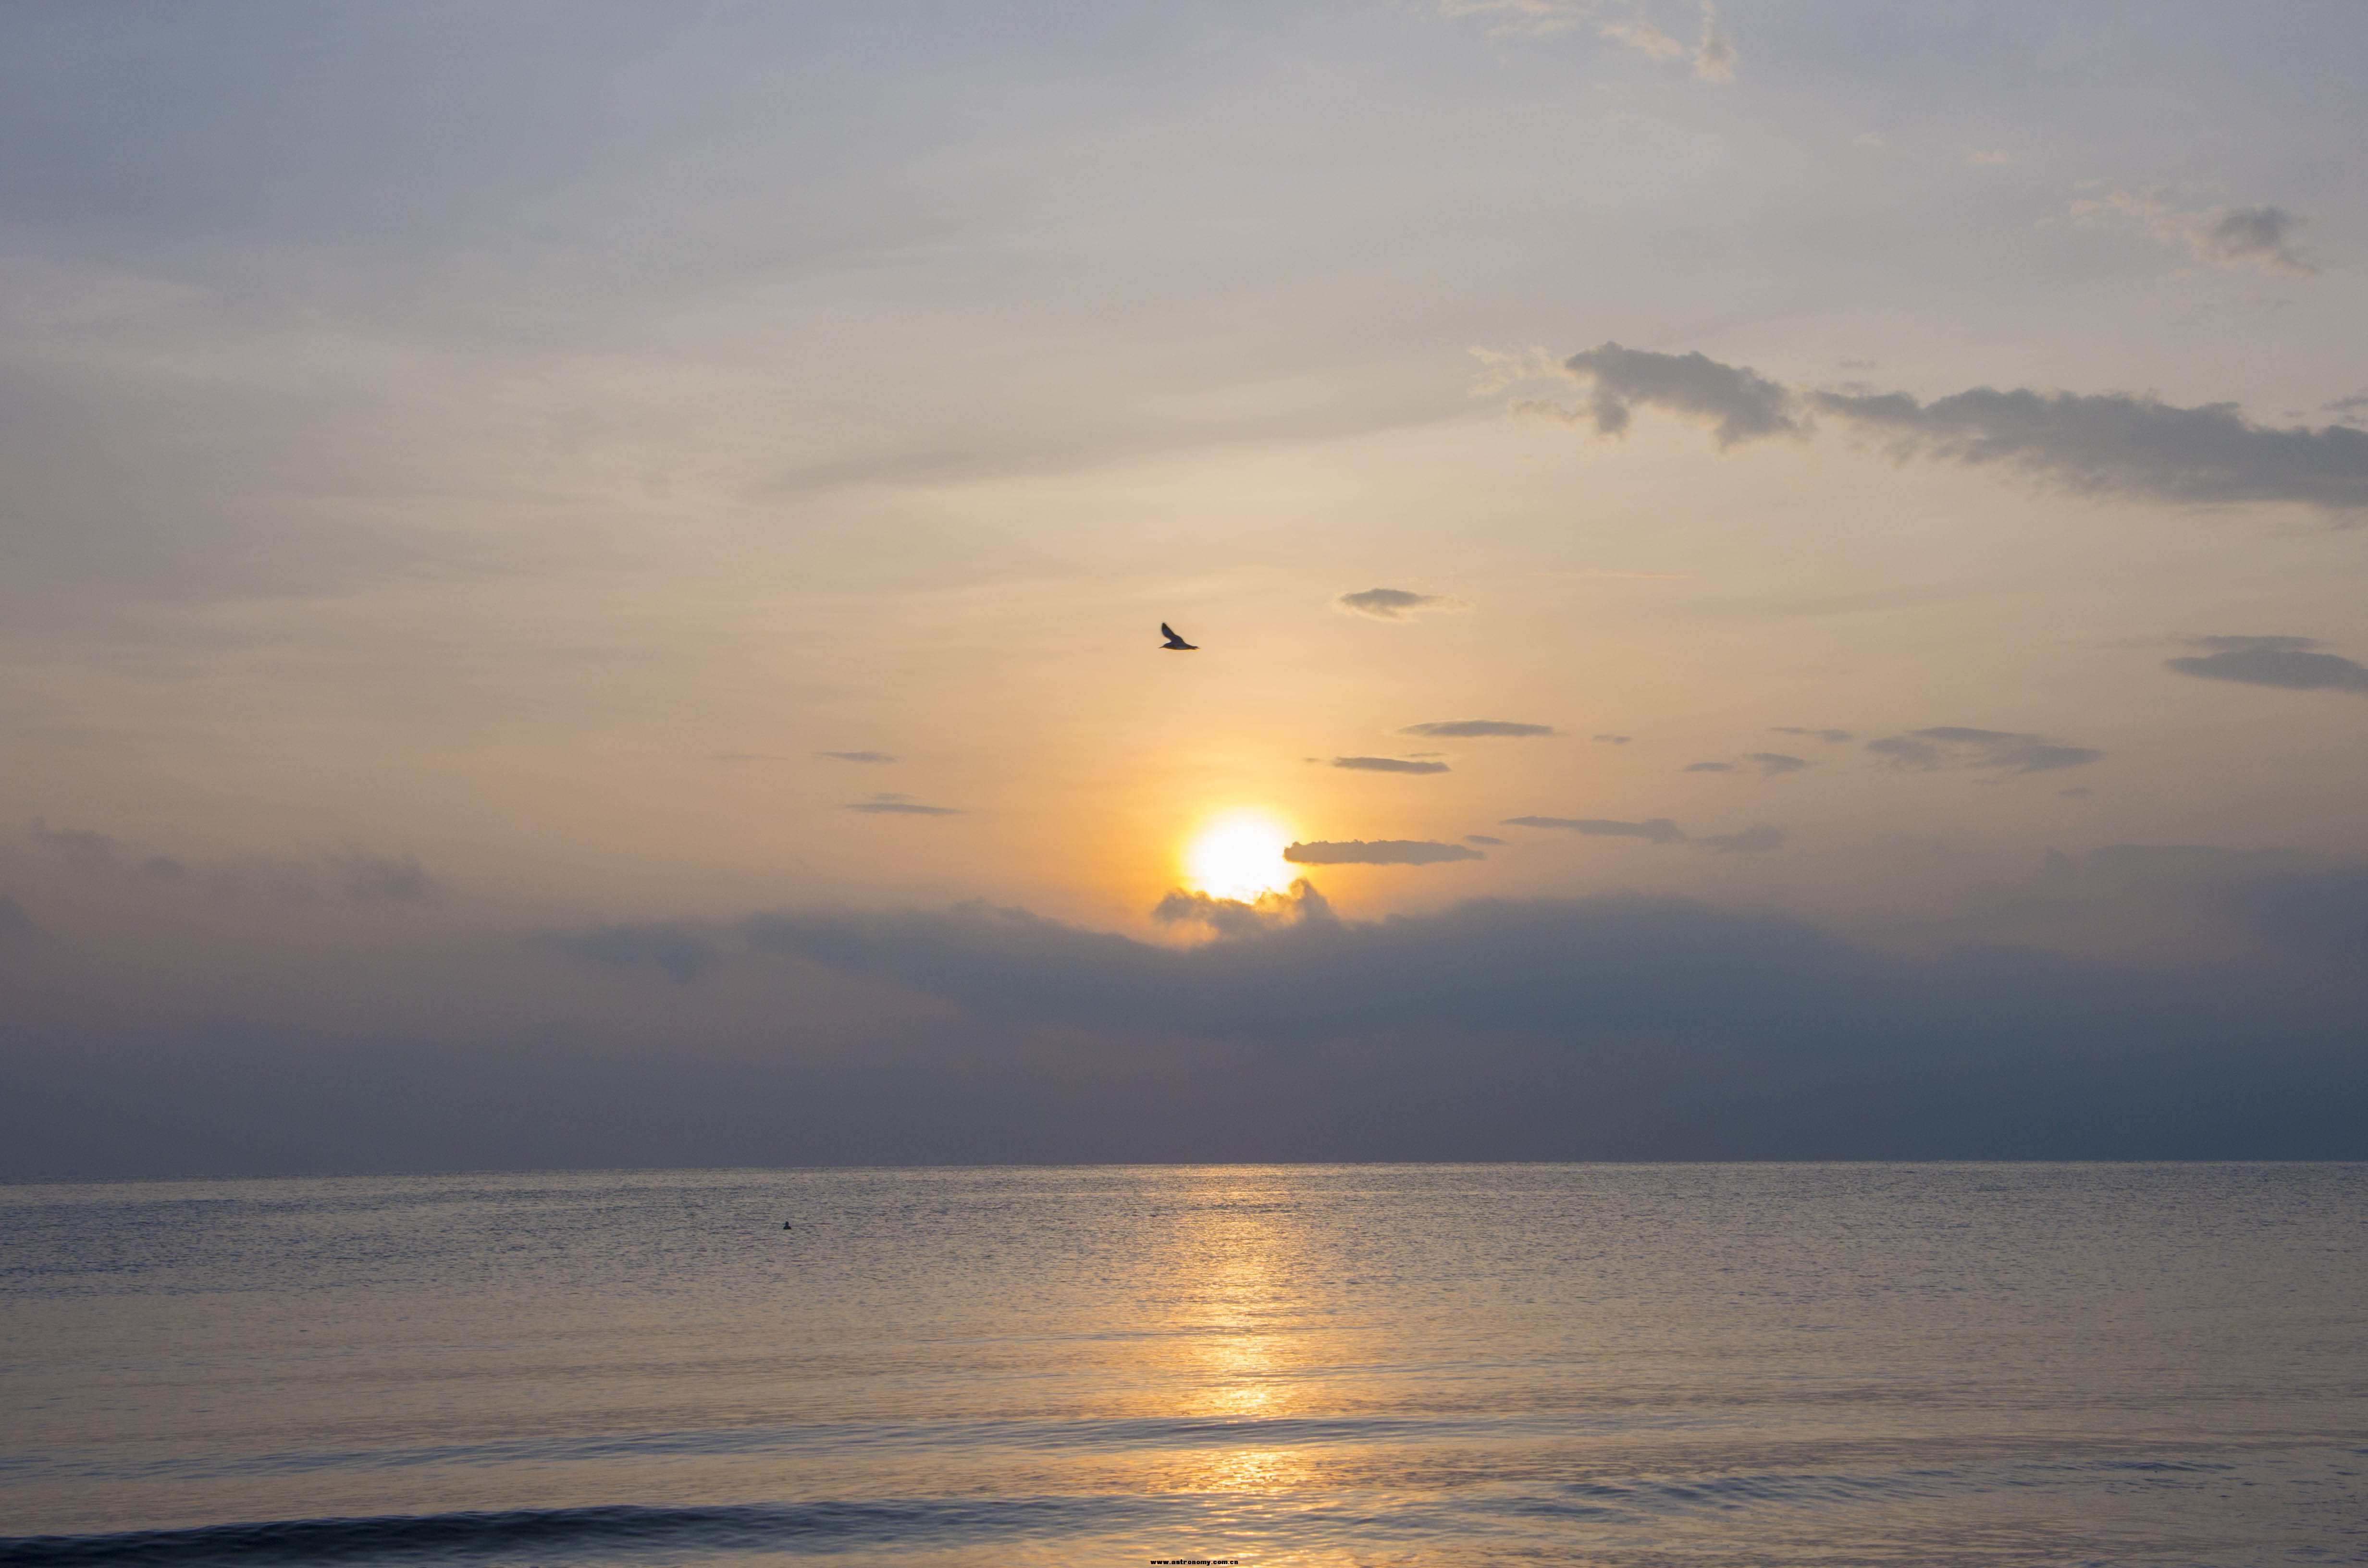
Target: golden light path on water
x,y
1244,1318
1238,853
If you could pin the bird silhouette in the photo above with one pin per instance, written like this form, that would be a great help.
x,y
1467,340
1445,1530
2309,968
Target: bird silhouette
x,y
1174,643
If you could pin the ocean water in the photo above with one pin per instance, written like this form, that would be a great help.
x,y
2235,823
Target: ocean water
x,y
1432,1364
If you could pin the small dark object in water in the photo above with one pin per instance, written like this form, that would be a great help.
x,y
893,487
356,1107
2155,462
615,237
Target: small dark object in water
x,y
787,1226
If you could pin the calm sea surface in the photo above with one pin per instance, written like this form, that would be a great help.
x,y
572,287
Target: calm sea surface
x,y
1433,1365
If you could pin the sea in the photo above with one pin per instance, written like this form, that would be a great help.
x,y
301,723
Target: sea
x,y
1435,1365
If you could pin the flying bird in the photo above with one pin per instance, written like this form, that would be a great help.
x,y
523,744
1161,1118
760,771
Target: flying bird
x,y
1175,643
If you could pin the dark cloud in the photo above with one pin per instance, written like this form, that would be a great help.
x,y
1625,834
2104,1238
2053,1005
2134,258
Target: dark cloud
x,y
1951,746
1379,852
1831,737
1387,765
1614,740
373,879
2103,443
680,951
2116,443
16,924
1708,767
2260,237
901,805
1396,604
359,875
1476,728
1620,1027
1481,838
1738,405
1659,830
2287,662
86,849
858,755
1773,764
1754,840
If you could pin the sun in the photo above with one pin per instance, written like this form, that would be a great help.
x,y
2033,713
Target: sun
x,y
1239,854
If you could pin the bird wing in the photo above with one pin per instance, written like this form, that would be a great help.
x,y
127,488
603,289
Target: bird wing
x,y
1170,632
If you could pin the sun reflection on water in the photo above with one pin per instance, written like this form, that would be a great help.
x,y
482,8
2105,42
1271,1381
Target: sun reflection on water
x,y
1239,1316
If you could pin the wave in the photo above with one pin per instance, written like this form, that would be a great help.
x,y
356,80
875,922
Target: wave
x,y
580,1534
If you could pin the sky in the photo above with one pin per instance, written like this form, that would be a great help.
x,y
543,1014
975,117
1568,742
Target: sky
x,y
580,585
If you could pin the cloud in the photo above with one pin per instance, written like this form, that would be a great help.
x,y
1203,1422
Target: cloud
x,y
1993,158
1738,405
858,755
373,879
86,849
1645,38
1476,728
2117,443
2257,237
1754,840
1481,838
1714,56
680,951
1396,604
1387,765
1379,852
1951,746
1867,139
16,924
2103,443
1708,767
899,805
1831,737
1234,917
356,874
1616,1027
2286,662
1614,740
1659,830
1773,764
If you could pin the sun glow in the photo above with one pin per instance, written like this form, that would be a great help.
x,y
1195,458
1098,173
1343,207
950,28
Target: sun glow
x,y
1239,854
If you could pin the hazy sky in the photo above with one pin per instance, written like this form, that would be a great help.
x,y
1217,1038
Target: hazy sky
x,y
1792,573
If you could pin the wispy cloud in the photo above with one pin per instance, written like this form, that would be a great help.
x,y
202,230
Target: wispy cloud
x,y
2261,238
858,755
1739,405
1659,830
1398,604
1988,158
901,805
1378,852
2007,751
2100,443
1645,38
1387,765
1715,55
2290,663
1477,729
1831,737
1755,839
